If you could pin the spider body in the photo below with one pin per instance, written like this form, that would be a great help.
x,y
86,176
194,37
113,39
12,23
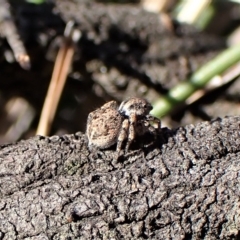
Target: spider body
x,y
134,111
109,125
103,126
135,106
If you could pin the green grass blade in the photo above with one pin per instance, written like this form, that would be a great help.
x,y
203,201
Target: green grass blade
x,y
198,80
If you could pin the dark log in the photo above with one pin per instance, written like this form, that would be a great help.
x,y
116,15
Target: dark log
x,y
184,185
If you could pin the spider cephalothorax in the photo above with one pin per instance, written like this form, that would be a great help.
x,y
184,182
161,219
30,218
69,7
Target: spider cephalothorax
x,y
135,106
109,125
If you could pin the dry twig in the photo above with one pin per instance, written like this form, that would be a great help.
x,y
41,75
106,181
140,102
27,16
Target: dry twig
x,y
59,76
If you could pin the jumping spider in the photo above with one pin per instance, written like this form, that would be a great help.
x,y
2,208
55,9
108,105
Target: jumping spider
x,y
109,125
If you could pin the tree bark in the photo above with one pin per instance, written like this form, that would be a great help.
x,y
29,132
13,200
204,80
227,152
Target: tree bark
x,y
182,185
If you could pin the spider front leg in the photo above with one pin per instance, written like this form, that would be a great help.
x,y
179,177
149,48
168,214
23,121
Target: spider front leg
x,y
122,134
151,119
148,124
131,132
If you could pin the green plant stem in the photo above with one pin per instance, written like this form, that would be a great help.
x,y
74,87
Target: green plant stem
x,y
36,1
198,80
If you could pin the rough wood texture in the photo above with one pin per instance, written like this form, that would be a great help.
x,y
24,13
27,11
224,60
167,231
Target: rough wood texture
x,y
184,186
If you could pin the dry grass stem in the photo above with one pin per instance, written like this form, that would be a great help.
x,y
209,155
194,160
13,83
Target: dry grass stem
x,y
59,77
10,32
156,5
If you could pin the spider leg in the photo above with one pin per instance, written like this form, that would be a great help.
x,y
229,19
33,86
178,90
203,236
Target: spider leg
x,y
131,131
149,127
150,118
122,134
149,122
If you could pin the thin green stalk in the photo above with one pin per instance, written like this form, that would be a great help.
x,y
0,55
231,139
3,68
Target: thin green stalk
x,y
36,1
189,11
198,80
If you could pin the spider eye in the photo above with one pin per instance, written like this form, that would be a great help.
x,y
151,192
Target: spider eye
x,y
131,106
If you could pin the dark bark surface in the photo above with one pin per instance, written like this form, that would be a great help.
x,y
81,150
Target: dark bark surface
x,y
184,185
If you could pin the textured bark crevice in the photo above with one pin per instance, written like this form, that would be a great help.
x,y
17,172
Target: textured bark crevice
x,y
184,185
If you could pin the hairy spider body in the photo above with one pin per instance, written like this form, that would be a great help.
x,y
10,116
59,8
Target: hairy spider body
x,y
103,126
136,113
109,125
135,106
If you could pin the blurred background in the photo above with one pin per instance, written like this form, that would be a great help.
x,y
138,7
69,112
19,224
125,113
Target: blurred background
x,y
61,59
